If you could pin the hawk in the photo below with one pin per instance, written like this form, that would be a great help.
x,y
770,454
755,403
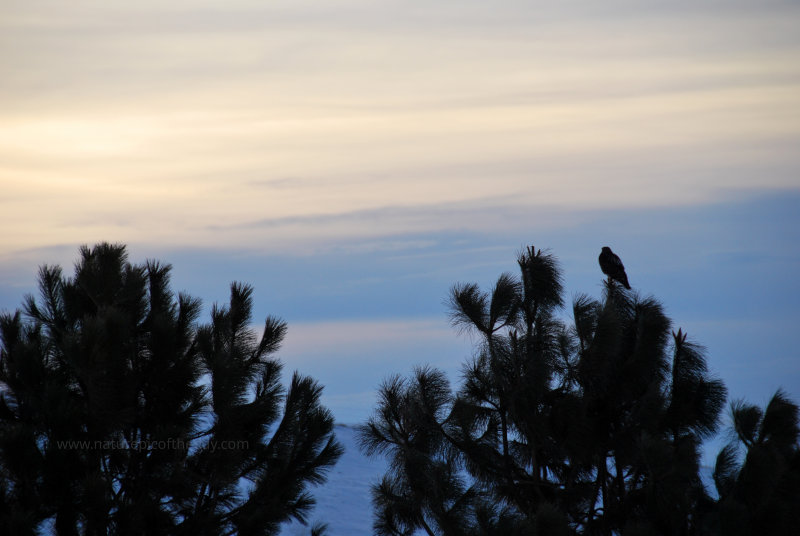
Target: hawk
x,y
613,267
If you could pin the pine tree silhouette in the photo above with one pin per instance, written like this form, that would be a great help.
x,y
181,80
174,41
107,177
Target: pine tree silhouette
x,y
587,426
119,415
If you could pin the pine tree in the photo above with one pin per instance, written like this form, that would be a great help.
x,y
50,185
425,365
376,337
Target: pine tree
x,y
119,415
592,426
759,491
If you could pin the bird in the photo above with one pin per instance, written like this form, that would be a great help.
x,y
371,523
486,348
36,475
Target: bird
x,y
613,267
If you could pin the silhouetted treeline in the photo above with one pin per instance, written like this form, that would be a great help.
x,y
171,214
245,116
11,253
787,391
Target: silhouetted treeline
x,y
592,426
120,415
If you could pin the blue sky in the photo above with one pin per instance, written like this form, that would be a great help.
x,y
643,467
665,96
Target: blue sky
x,y
352,160
725,272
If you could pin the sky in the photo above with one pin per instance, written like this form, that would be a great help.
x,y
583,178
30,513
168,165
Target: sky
x,y
354,159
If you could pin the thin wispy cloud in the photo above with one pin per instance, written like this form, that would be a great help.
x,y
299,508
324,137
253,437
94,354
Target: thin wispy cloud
x,y
151,122
353,158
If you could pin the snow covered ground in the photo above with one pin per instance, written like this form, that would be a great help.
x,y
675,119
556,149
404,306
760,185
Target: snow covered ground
x,y
343,502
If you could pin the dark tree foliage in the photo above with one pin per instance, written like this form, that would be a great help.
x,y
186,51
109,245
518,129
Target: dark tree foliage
x,y
761,493
588,427
119,415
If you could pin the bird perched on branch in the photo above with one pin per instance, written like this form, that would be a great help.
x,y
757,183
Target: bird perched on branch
x,y
613,267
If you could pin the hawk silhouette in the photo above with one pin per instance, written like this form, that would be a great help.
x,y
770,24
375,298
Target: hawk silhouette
x,y
613,267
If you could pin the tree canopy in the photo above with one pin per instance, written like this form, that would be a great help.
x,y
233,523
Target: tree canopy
x,y
592,425
119,414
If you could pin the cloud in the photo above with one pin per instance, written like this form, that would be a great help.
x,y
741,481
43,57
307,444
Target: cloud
x,y
352,357
290,126
352,338
359,309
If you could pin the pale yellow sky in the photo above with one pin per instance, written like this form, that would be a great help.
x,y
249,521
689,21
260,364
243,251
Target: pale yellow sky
x,y
232,124
354,158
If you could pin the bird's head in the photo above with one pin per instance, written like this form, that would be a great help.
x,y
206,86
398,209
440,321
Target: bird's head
x,y
606,248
